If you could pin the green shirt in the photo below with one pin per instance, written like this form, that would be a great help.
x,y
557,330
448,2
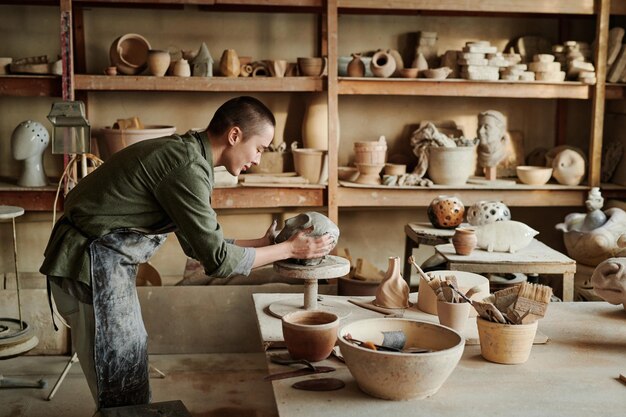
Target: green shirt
x,y
153,186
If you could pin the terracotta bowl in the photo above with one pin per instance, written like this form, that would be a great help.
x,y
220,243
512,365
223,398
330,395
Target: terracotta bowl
x,y
397,375
129,53
113,140
310,335
427,300
533,175
347,173
395,169
408,72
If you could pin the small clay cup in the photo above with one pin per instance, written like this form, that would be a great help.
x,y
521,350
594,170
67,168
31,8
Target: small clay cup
x,y
312,66
464,241
508,344
110,70
453,315
310,335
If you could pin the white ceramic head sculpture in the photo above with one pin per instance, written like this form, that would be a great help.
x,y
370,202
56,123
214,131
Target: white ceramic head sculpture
x,y
609,280
492,136
28,142
321,225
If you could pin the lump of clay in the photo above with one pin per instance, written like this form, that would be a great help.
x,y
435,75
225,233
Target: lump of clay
x,y
393,291
609,281
504,236
321,225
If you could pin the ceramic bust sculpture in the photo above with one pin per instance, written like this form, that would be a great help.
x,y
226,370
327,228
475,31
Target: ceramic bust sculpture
x,y
593,237
493,138
28,142
321,225
609,281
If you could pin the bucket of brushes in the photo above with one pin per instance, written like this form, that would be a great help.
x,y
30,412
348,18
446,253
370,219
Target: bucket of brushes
x,y
507,322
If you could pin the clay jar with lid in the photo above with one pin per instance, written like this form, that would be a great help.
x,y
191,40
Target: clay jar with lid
x,y
464,241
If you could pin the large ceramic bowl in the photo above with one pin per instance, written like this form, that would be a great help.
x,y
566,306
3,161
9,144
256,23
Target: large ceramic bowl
x,y
397,375
427,300
112,140
533,175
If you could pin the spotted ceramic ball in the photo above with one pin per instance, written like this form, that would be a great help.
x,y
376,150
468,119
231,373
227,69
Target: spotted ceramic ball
x,y
485,212
446,212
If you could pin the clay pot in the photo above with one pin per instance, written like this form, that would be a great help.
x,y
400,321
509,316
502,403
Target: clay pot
x,y
347,173
356,67
129,53
484,212
371,152
446,212
533,175
393,291
310,164
315,122
113,140
312,66
369,173
383,64
229,63
395,169
110,70
568,167
408,72
158,62
453,315
506,343
271,163
181,68
451,166
310,335
464,241
277,67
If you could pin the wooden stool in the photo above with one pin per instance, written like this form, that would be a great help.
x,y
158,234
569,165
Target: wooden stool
x,y
421,233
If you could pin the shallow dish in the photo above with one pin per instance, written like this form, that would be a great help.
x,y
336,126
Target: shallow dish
x,y
533,175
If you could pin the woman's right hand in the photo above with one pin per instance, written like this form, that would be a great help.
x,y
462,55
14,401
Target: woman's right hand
x,y
304,246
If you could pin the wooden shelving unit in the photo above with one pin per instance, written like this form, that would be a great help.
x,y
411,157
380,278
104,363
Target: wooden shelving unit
x,y
270,197
198,84
30,85
31,199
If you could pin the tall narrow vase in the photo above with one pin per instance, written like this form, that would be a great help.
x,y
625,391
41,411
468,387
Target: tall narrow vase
x,y
393,291
315,123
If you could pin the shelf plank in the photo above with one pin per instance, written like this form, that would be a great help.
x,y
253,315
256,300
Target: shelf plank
x,y
618,7
31,199
463,88
261,3
217,84
615,92
251,197
481,6
30,85
517,196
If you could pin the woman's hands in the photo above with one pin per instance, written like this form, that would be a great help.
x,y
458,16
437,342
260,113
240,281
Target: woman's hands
x,y
303,246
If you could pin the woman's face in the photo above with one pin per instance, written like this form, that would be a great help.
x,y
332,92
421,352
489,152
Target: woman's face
x,y
246,150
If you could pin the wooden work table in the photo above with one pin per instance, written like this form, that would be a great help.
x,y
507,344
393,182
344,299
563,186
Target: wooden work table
x,y
574,374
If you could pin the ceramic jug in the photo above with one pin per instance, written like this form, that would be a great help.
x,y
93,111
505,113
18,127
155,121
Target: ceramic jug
x,y
383,64
356,67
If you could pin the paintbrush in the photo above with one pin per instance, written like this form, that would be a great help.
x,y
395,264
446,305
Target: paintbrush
x,y
505,299
532,301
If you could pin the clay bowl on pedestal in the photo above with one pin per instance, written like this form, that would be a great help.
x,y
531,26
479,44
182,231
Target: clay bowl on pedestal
x,y
533,175
369,173
400,375
310,335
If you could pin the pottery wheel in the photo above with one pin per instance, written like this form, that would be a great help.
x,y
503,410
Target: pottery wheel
x,y
330,267
15,340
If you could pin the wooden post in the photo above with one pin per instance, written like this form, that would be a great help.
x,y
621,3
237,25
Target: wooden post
x,y
333,109
490,173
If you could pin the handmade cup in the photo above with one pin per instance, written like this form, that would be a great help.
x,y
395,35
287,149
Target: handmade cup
x,y
310,335
453,315
312,66
508,344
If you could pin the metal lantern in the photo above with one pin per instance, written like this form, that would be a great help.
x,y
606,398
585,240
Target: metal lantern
x,y
71,133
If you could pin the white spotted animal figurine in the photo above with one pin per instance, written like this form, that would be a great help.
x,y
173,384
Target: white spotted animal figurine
x,y
505,236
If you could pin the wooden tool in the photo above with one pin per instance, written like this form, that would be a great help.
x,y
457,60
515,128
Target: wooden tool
x,y
532,301
419,270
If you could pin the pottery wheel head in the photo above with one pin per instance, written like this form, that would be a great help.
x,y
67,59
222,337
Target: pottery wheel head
x,y
320,224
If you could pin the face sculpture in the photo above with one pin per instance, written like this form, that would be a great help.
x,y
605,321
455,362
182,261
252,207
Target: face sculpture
x,y
491,133
321,224
609,280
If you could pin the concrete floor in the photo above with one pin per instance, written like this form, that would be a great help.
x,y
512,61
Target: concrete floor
x,y
209,385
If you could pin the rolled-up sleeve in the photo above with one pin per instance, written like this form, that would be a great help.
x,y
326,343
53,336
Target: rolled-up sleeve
x,y
185,196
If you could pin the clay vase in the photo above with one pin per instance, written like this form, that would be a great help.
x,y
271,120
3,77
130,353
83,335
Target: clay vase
x,y
315,123
356,67
568,167
181,68
158,62
446,212
393,291
464,241
383,64
229,63
310,335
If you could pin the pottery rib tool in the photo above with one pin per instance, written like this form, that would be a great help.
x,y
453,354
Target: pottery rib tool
x,y
534,299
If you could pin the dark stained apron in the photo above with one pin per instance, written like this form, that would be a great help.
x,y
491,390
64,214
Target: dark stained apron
x,y
121,342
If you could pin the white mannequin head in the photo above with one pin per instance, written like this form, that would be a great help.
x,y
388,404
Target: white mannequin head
x,y
28,143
